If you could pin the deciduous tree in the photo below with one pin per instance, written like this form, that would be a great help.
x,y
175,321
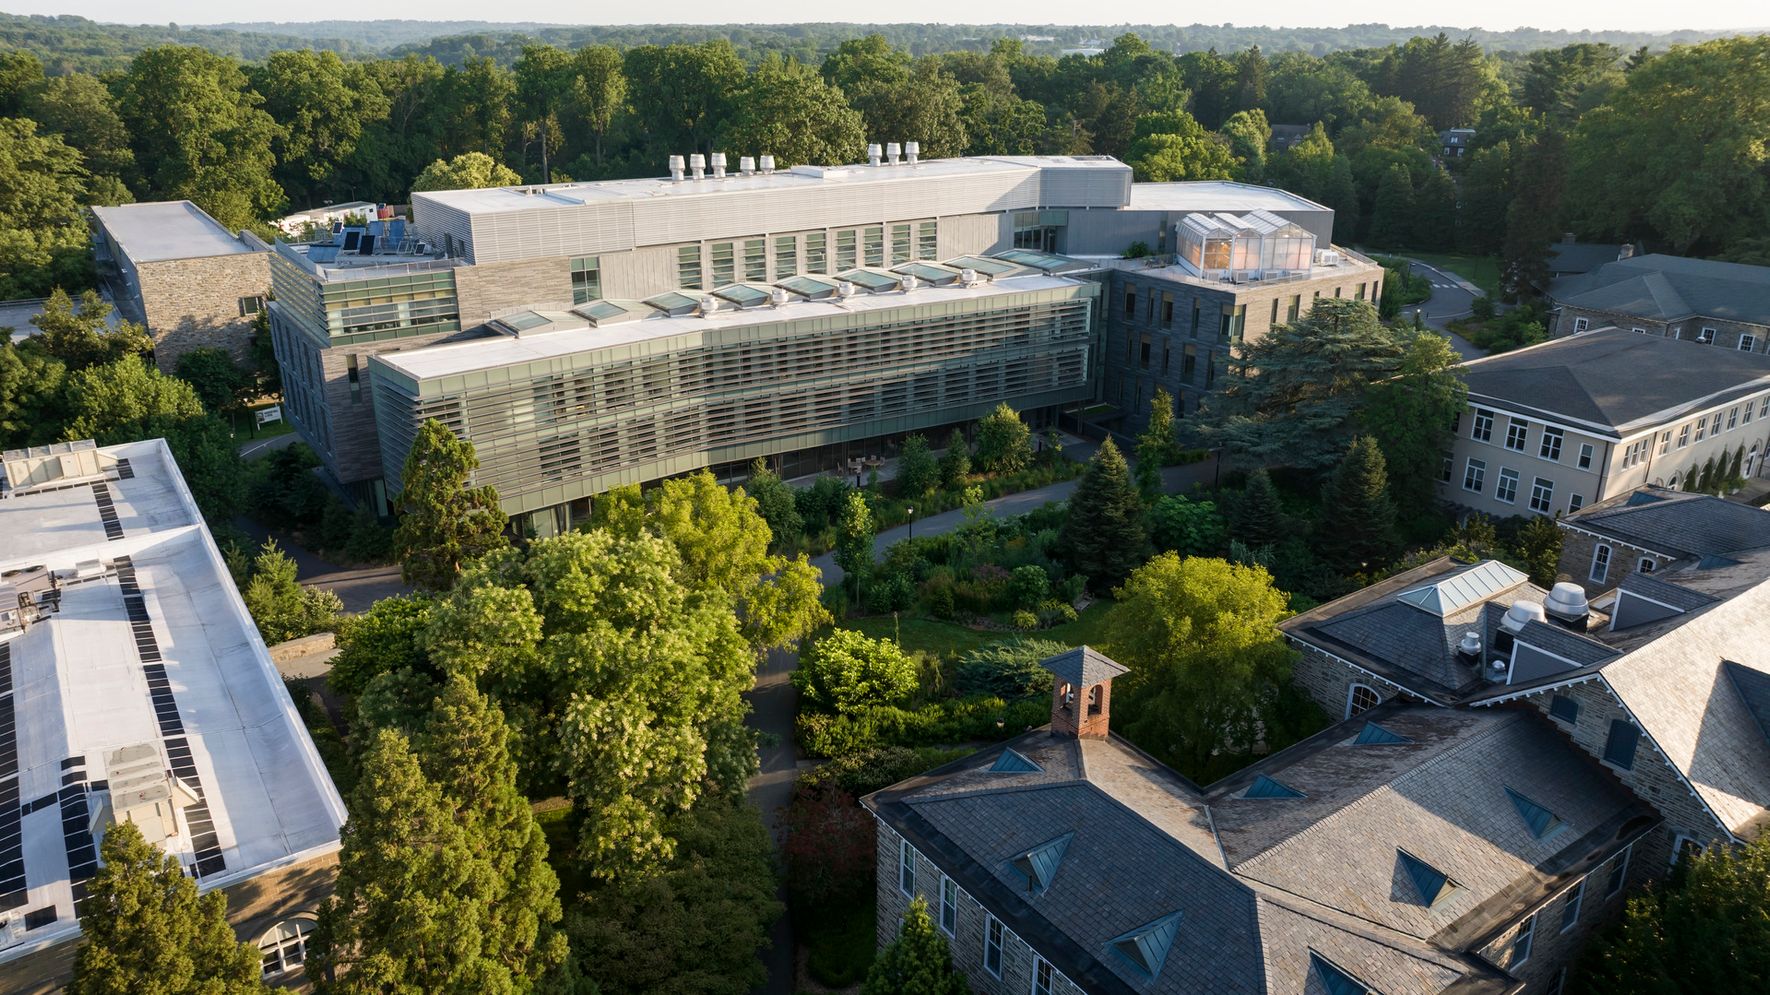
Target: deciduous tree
x,y
846,671
1004,443
854,538
1410,412
467,171
786,109
917,472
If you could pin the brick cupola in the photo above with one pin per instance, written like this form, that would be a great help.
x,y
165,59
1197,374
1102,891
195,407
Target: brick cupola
x,y
1081,693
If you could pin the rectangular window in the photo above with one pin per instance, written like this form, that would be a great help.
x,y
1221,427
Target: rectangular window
x,y
1619,871
1506,488
1143,354
1195,317
1619,747
1550,449
1295,309
1745,414
847,256
1585,456
1665,442
927,240
1575,502
1231,322
1747,343
1542,495
1210,369
354,374
250,306
724,255
1683,436
1130,303
1732,419
1715,426
1570,911
949,905
1517,430
1359,295
1041,976
1682,846
1564,709
1644,564
1189,363
786,257
817,258
1764,409
1702,428
1579,325
1705,336
1149,307
1447,469
1600,563
900,244
1481,429
1274,311
1521,944
1473,475
688,267
756,260
586,280
906,868
992,946
874,240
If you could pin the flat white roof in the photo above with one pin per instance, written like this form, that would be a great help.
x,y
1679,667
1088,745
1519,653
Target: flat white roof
x,y
171,229
1215,195
572,334
150,646
496,200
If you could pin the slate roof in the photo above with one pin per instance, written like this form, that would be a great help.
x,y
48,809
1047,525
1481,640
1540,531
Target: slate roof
x,y
1669,288
1613,380
1676,522
1279,879
1580,257
1084,667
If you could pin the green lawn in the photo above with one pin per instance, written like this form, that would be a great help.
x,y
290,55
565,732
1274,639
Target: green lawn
x,y
949,641
243,428
1483,271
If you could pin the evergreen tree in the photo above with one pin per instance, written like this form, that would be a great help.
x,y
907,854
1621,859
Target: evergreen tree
x,y
917,472
1392,213
444,523
1435,212
955,463
854,538
146,929
1539,546
1158,446
1533,219
917,962
1258,518
415,896
1735,476
464,750
1358,515
1102,537
1706,482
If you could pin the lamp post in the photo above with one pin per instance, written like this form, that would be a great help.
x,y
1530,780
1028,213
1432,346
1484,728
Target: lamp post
x,y
912,512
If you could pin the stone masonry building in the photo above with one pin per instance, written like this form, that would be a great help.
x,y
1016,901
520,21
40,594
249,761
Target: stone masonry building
x,y
174,269
1699,301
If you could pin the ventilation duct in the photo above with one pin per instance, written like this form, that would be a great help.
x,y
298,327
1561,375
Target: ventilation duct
x,y
709,306
1520,614
845,290
873,153
910,282
746,165
719,165
777,297
676,169
697,164
1469,647
912,151
891,152
1567,605
767,164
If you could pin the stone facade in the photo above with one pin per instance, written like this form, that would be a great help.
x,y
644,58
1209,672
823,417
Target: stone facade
x,y
1330,682
967,939
1580,563
253,907
1718,333
1560,927
494,289
192,303
1164,330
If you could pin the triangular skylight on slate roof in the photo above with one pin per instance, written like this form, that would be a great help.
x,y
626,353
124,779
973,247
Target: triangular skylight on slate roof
x,y
1542,822
1753,687
1011,762
1039,865
1479,583
1375,735
1336,981
1715,561
1431,883
1146,947
1266,787
1640,498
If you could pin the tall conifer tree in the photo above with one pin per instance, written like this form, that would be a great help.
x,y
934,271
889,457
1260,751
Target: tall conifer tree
x,y
1103,537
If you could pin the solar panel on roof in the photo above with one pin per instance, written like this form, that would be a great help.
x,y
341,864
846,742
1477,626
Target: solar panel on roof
x,y
1266,787
1375,735
1432,883
1147,946
1011,762
1542,822
1039,865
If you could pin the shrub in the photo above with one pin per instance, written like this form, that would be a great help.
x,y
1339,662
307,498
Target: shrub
x,y
940,723
846,671
1482,308
888,591
1007,670
828,851
1055,612
1026,621
1004,443
937,596
1028,585
866,771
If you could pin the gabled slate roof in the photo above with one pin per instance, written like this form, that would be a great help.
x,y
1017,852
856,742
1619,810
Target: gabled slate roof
x,y
1614,381
1677,523
1671,287
1753,687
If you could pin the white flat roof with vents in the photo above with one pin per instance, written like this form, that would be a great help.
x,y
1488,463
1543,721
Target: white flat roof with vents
x,y
171,229
152,656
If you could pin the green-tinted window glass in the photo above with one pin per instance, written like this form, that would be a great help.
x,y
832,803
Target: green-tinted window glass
x,y
756,260
845,254
586,280
817,259
786,257
875,244
927,241
724,264
900,244
688,267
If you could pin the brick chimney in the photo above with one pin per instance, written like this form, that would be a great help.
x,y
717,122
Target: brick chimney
x,y
1081,693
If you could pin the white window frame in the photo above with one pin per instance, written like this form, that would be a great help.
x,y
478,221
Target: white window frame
x,y
1352,693
1500,490
993,925
906,868
1448,471
1542,496
1732,418
949,886
1747,343
272,944
1481,426
1570,912
1575,502
1580,325
1621,877
1705,335
1517,429
1644,565
1665,442
1527,938
1683,435
1600,569
1546,451
1478,475
1586,452
1040,963
1764,409
1678,841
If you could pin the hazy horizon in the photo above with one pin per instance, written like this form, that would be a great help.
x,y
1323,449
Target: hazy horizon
x,y
1495,15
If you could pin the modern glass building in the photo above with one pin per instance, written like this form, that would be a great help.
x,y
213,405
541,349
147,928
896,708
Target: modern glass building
x,y
561,406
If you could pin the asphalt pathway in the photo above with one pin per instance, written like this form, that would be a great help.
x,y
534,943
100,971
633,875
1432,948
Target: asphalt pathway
x,y
1452,297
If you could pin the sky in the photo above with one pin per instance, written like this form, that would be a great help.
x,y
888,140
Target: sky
x,y
1636,15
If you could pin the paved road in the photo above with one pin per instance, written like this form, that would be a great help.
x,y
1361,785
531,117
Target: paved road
x,y
254,448
357,587
1452,297
773,703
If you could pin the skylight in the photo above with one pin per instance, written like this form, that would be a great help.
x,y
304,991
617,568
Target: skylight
x,y
871,281
1039,865
742,295
1147,946
983,264
1266,787
1429,881
808,288
1375,735
1011,762
1471,587
934,275
1336,981
1542,822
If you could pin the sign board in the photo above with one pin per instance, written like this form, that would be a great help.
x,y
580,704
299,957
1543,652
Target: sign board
x,y
267,415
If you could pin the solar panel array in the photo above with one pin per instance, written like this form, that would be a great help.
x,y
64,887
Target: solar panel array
x,y
12,845
107,512
76,828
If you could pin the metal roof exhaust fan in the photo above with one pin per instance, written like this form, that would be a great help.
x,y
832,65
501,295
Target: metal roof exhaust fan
x,y
1469,647
910,282
697,164
891,152
845,289
709,306
912,151
873,153
968,277
746,165
1520,614
719,165
1567,606
676,167
777,297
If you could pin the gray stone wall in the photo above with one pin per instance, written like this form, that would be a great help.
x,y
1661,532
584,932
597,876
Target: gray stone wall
x,y
1330,682
193,303
486,291
1578,549
1738,335
1557,941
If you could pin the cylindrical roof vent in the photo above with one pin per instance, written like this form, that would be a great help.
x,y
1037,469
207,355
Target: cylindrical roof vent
x,y
676,169
697,164
912,151
767,164
777,297
1521,613
968,277
1470,645
909,282
873,153
746,165
719,165
844,289
891,152
709,305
